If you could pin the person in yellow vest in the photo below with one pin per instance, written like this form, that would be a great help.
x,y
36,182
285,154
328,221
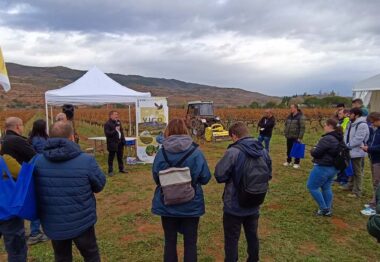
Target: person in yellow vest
x,y
343,121
343,118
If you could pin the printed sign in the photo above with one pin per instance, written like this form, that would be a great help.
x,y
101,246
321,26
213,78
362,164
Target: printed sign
x,y
152,118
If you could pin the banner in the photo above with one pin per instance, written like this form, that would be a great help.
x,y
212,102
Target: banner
x,y
4,80
152,117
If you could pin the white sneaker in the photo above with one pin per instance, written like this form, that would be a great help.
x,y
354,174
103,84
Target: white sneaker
x,y
368,211
296,166
287,164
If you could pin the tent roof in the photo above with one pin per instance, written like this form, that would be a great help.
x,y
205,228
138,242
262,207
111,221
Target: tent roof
x,y
370,84
93,88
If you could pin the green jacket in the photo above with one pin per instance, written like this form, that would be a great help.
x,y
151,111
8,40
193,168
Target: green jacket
x,y
373,225
295,126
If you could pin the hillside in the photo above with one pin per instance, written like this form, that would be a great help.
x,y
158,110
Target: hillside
x,y
29,84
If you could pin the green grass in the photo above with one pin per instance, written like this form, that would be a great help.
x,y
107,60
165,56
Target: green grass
x,y
288,229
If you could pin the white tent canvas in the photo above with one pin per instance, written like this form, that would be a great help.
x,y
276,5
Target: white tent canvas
x,y
93,88
369,91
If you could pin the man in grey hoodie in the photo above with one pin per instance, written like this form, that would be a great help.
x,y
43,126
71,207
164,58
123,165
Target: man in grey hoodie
x,y
355,136
229,170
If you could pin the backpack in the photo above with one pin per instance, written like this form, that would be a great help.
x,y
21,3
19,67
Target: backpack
x,y
176,181
342,160
254,181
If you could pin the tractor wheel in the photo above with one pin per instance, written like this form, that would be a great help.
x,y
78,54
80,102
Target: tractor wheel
x,y
197,128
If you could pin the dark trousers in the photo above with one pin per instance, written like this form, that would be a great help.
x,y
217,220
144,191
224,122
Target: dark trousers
x,y
111,156
188,226
86,244
289,145
13,233
232,227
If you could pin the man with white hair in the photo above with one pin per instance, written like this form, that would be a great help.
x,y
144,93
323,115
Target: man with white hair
x,y
61,117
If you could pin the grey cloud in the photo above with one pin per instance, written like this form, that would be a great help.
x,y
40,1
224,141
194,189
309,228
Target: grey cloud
x,y
298,19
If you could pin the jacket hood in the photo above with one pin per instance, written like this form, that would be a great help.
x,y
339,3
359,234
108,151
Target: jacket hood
x,y
361,119
335,134
61,149
177,143
249,146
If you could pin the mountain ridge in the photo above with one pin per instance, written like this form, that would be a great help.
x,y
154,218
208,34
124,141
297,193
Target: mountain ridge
x,y
40,79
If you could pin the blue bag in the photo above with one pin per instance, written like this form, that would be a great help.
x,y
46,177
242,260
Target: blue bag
x,y
19,196
298,150
349,171
7,185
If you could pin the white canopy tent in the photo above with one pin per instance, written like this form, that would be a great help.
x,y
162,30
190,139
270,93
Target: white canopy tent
x,y
369,91
93,88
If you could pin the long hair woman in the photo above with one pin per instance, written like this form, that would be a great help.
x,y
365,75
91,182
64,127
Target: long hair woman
x,y
179,151
322,175
37,138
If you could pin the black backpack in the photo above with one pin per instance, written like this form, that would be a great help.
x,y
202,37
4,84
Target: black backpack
x,y
254,181
342,160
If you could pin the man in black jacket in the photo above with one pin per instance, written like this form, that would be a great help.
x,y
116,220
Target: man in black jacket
x,y
266,125
17,146
14,144
115,141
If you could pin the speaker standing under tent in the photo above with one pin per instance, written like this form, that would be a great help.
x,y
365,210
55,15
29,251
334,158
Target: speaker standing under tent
x,y
68,109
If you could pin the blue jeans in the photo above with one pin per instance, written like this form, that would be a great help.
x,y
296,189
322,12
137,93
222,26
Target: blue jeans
x,y
35,227
319,185
266,140
14,239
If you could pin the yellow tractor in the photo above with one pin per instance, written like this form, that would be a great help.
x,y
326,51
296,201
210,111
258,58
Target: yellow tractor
x,y
202,122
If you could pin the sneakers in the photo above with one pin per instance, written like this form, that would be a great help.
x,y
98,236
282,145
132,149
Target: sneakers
x,y
41,237
368,211
123,171
325,213
110,173
290,164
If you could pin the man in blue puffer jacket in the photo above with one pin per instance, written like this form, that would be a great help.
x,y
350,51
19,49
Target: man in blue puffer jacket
x,y
66,180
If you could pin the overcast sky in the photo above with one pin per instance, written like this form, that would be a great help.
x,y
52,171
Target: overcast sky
x,y
273,47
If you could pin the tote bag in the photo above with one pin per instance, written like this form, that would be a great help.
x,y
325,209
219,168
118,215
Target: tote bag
x,y
298,150
7,188
20,198
349,171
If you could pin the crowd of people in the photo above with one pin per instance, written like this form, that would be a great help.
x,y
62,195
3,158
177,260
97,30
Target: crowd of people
x,y
66,180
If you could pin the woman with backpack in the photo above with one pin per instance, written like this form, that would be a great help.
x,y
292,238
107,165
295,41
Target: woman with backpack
x,y
179,171
373,150
322,175
38,139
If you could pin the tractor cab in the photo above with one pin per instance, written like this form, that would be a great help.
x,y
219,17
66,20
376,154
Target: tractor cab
x,y
201,121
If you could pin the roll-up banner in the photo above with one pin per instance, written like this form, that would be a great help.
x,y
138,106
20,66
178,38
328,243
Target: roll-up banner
x,y
152,115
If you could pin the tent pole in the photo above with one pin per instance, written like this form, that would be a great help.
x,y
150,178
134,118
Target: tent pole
x,y
47,117
130,122
51,114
